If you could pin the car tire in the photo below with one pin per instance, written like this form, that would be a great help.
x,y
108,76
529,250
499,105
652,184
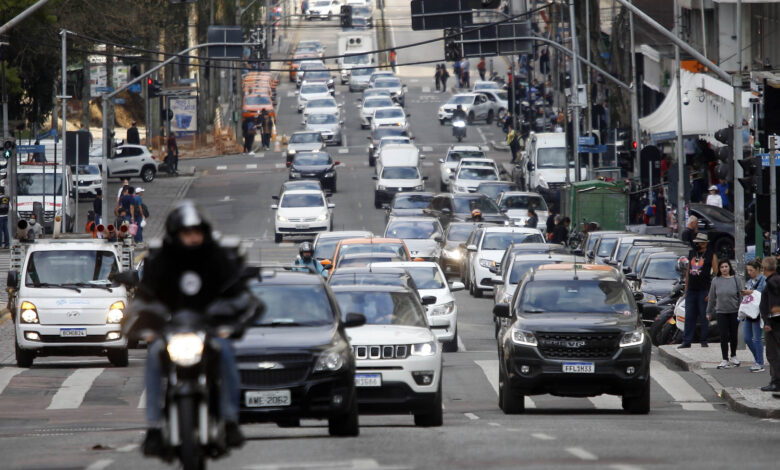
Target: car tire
x,y
489,119
147,174
510,403
289,423
278,237
346,425
118,357
434,417
24,359
451,345
441,121
668,331
470,119
639,405
655,330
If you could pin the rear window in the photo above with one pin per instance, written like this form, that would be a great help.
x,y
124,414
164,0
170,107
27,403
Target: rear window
x,y
374,279
400,173
412,202
427,277
257,100
378,103
325,248
294,305
313,159
466,205
388,113
523,202
383,308
477,174
520,268
456,156
606,246
412,229
584,297
459,233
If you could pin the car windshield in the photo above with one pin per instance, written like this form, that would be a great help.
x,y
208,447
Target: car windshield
x,y
426,277
415,201
82,268
486,86
368,278
293,305
459,232
317,75
389,113
464,99
387,83
391,248
378,103
487,174
322,103
458,155
306,138
592,242
359,59
312,159
640,260
400,173
383,308
257,100
466,205
521,267
493,190
552,157
412,229
302,200
322,119
581,297
87,170
322,3
606,246
523,202
314,89
501,240
302,184
360,71
661,268
34,184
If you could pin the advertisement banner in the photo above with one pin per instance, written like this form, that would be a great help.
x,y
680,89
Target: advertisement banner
x,y
185,115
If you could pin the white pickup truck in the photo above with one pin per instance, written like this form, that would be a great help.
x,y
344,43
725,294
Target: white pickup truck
x,y
62,300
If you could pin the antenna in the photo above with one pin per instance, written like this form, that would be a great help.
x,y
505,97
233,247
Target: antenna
x,y
576,278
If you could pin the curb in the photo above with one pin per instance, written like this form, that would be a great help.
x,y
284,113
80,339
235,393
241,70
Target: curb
x,y
500,147
737,403
679,361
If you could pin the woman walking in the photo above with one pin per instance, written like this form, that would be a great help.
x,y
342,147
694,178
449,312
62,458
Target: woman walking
x,y
752,329
724,300
437,77
443,76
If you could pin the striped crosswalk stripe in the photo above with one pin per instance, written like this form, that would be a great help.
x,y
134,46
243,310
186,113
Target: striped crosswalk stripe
x,y
678,388
72,391
6,374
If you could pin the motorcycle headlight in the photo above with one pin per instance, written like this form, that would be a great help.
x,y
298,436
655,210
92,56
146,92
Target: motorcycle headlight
x,y
424,349
116,312
487,263
523,338
443,309
332,359
185,349
29,313
633,338
453,254
322,218
281,218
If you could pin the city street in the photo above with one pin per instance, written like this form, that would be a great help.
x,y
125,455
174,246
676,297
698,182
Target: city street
x,y
81,412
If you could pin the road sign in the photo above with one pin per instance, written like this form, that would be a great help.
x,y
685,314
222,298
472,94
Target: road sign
x,y
30,149
587,140
119,101
661,136
592,148
440,14
497,39
234,34
765,159
134,88
776,139
104,89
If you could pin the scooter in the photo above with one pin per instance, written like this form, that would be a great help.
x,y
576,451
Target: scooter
x,y
459,129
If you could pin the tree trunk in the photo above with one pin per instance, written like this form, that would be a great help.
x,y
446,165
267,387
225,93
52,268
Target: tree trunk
x,y
620,45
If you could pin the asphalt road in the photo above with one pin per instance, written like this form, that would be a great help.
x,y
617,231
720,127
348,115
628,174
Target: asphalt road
x,y
83,413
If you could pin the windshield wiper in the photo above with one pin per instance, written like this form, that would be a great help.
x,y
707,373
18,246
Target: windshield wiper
x,y
534,310
90,285
279,322
64,286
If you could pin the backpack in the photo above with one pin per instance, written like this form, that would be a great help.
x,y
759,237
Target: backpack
x,y
145,210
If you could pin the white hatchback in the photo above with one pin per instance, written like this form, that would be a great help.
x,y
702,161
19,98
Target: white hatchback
x,y
369,105
468,178
311,91
301,212
450,162
393,116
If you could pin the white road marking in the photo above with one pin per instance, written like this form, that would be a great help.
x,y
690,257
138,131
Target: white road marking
x,y
291,94
542,436
427,148
227,199
343,150
678,388
581,453
461,345
221,167
142,400
471,416
280,165
479,131
427,164
100,464
494,424
354,464
344,141
426,89
251,166
128,448
72,391
606,402
622,466
6,374
490,369
260,155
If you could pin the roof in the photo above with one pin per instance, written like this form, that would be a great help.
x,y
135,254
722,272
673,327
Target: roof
x,y
543,256
345,234
372,288
421,218
413,193
276,277
405,264
370,240
302,191
521,193
372,269
461,148
584,271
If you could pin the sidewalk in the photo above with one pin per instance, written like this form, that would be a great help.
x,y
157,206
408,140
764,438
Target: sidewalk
x,y
739,387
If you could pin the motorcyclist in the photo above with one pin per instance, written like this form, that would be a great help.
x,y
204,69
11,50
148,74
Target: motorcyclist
x,y
476,215
191,271
306,262
459,114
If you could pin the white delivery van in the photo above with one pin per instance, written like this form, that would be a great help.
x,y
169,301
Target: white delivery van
x,y
546,161
398,155
42,183
398,171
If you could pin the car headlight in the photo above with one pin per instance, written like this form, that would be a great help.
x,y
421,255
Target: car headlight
x,y
381,187
330,174
295,174
523,338
322,218
29,313
462,189
185,349
116,312
487,263
443,309
419,187
506,297
454,254
633,338
281,218
332,359
424,349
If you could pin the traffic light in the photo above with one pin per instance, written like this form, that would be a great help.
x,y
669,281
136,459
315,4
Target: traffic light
x,y
166,114
751,179
451,48
346,16
154,88
9,149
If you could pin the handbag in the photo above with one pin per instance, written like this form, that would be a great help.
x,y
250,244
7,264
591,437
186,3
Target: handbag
x,y
749,306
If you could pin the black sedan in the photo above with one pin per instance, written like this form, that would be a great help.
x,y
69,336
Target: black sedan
x,y
315,165
718,224
295,361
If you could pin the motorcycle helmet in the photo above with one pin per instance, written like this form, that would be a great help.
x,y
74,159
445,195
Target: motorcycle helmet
x,y
306,251
186,214
476,214
682,264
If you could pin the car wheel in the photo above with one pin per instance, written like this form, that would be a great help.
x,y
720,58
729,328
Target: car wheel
x,y
346,425
442,186
435,416
118,357
24,359
441,121
300,110
489,119
667,334
147,174
510,403
470,118
451,345
278,237
639,405
477,291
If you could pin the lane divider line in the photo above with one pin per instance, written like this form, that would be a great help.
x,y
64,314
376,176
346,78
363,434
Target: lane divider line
x,y
581,453
471,416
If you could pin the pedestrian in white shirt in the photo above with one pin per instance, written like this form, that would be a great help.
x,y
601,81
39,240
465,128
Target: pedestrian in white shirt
x,y
713,198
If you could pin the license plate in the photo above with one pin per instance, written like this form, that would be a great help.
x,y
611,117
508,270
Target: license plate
x,y
70,332
579,367
302,226
267,398
368,380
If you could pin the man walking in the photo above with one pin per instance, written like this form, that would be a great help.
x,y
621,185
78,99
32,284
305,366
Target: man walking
x,y
697,286
393,59
97,206
132,135
5,205
173,154
267,128
691,229
139,209
464,73
769,309
481,68
443,76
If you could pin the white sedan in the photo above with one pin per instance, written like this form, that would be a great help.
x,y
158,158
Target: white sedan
x,y
393,116
301,212
322,106
469,177
311,91
368,107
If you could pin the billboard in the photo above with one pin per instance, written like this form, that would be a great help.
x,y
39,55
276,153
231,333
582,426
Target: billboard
x,y
185,115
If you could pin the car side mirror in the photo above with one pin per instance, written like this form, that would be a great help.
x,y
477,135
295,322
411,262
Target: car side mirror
x,y
331,205
354,320
375,177
425,178
638,296
441,160
12,280
428,300
626,269
457,286
326,263
471,247
274,206
631,276
501,310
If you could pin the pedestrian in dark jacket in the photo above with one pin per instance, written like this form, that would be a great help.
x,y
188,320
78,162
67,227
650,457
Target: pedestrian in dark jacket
x,y
437,77
173,154
267,128
443,76
533,219
724,300
132,135
769,309
697,287
561,232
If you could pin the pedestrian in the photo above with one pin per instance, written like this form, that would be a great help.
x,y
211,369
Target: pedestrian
x,y
267,128
723,304
713,198
393,58
481,68
533,219
125,184
437,77
456,73
304,7
544,61
550,223
464,73
97,206
724,193
697,286
132,135
37,157
249,135
443,76
173,154
770,314
561,232
127,205
690,231
513,141
5,205
751,328
140,208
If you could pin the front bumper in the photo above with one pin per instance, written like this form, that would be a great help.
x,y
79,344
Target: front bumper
x,y
444,115
483,277
52,344
302,228
444,326
450,265
399,392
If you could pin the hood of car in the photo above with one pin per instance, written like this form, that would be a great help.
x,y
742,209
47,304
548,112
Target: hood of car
x,y
389,334
421,247
322,127
301,212
386,121
259,339
577,323
405,183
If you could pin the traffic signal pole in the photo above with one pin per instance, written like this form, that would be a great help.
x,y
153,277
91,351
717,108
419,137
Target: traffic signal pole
x,y
680,149
772,198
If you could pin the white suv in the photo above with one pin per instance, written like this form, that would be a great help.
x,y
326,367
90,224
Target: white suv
x,y
398,360
301,212
469,177
128,161
450,162
477,107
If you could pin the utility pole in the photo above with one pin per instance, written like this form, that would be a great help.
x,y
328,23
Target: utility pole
x,y
4,93
634,104
589,117
64,97
575,94
772,196
680,150
739,193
